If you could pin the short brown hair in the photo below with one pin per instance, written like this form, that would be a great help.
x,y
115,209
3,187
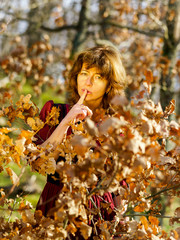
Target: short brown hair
x,y
108,60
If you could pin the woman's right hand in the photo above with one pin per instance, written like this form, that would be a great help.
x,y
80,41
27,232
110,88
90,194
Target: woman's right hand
x,y
78,111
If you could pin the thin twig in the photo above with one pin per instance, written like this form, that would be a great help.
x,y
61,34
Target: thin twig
x,y
93,203
16,183
12,210
163,190
148,215
98,187
154,195
65,223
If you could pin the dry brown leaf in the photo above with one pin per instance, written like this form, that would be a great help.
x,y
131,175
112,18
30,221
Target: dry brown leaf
x,y
132,227
153,220
14,178
144,221
143,206
178,232
119,100
177,212
111,123
85,230
136,143
105,230
28,216
80,144
170,108
91,127
19,147
166,160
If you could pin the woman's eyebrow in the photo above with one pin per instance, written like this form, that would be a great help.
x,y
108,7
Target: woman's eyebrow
x,y
87,70
84,69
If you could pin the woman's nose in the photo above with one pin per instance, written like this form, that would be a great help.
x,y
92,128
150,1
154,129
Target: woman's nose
x,y
89,80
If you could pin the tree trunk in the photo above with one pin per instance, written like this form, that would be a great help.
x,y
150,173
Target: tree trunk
x,y
171,42
37,15
82,27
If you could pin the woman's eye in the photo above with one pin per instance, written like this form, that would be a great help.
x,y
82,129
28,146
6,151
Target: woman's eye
x,y
98,77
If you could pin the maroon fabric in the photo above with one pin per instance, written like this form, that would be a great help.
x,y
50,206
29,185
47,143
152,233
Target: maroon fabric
x,y
107,214
46,131
48,197
51,191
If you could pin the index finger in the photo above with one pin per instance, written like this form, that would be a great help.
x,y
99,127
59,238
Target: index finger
x,y
81,100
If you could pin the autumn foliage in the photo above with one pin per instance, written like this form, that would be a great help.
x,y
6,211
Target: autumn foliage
x,y
133,146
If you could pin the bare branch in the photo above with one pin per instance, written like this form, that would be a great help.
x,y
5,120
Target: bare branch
x,y
164,190
148,215
151,33
156,194
59,29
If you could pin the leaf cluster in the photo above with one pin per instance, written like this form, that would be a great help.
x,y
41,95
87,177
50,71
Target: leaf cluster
x,y
129,144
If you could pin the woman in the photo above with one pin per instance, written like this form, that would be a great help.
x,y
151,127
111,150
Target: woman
x,y
95,78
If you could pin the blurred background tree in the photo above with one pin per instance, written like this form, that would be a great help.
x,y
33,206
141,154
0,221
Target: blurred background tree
x,y
39,40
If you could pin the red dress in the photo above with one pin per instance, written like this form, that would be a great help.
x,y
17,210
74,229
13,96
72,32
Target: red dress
x,y
53,187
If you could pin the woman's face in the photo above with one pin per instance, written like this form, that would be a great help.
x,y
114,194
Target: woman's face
x,y
95,84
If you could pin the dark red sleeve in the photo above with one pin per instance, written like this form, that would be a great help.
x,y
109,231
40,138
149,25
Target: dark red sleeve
x,y
46,131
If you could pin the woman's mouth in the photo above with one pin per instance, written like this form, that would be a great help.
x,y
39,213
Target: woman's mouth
x,y
88,92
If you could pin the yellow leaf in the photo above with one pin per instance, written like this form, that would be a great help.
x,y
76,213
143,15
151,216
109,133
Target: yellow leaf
x,y
20,148
85,230
31,122
14,178
28,216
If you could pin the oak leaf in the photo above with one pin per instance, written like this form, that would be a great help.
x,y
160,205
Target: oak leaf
x,y
153,220
85,230
170,108
91,127
144,221
119,100
132,226
143,206
20,146
14,178
28,216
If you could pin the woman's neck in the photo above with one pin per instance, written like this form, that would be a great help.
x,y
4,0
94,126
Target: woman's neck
x,y
97,109
93,105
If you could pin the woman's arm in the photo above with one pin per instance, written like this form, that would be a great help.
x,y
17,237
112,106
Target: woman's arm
x,y
78,112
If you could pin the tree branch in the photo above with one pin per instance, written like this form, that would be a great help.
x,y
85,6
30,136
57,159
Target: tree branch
x,y
151,33
82,27
153,195
163,190
148,215
59,29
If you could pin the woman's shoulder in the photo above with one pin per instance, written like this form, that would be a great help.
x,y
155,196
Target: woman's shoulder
x,y
46,109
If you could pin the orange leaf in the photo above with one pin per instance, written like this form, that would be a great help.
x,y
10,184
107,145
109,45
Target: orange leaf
x,y
153,220
140,208
144,222
149,76
170,108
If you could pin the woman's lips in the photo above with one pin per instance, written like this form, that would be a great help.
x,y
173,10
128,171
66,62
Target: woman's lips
x,y
88,92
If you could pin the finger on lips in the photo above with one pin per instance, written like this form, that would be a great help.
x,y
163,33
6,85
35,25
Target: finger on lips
x,y
84,110
81,100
